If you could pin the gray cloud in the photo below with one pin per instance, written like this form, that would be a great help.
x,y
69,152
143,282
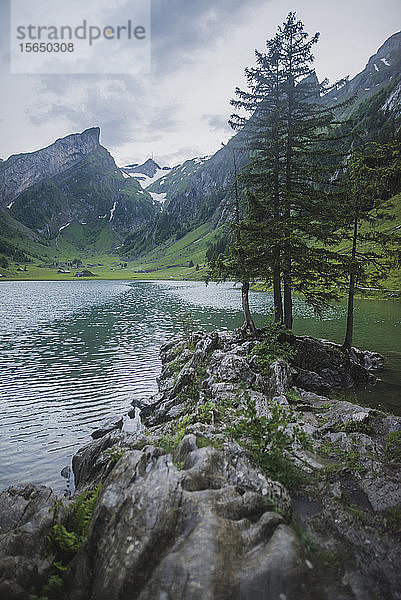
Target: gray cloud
x,y
119,105
181,27
199,51
217,122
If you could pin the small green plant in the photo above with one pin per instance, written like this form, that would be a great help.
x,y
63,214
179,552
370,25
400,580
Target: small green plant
x,y
204,442
170,441
273,347
166,442
114,454
65,540
343,461
355,427
175,365
51,589
207,413
321,421
293,396
190,346
393,446
270,439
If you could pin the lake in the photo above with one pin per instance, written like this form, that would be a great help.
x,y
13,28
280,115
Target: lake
x,y
73,354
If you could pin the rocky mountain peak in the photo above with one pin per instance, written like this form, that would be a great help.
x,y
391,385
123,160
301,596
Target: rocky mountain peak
x,y
391,46
20,171
148,168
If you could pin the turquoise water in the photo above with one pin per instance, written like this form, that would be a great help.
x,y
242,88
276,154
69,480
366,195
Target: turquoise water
x,y
73,354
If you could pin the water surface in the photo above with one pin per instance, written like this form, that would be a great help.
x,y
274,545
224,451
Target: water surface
x,y
73,354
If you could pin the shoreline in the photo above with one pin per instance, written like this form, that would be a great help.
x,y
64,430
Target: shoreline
x,y
390,295
320,519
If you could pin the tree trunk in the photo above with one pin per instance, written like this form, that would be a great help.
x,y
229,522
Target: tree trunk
x,y
277,296
287,201
248,322
351,290
278,303
288,319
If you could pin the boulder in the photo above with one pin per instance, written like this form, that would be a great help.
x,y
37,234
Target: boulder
x,y
110,425
25,522
206,528
323,367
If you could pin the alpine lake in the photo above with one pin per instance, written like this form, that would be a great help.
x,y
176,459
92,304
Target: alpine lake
x,y
74,354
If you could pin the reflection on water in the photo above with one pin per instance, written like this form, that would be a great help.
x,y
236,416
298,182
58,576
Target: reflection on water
x,y
73,354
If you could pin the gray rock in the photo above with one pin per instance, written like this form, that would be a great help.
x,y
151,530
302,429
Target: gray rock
x,y
383,492
21,171
323,367
91,463
66,472
205,531
25,522
109,426
280,380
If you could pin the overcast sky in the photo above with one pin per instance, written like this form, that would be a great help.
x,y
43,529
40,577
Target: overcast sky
x,y
199,51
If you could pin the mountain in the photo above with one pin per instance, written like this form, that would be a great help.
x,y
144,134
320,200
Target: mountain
x,y
382,70
71,196
147,173
201,190
74,184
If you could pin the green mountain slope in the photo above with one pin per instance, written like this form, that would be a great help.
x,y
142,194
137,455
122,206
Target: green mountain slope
x,y
71,200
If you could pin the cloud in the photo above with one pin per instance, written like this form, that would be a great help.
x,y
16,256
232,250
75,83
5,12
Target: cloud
x,y
217,122
181,28
199,52
123,107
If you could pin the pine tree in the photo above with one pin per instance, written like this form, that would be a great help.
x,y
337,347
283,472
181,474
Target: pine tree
x,y
292,168
237,263
372,175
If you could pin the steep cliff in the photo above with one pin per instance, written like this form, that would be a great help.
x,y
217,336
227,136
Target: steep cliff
x,y
21,171
75,180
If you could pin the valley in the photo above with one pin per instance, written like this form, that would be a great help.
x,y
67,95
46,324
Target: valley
x,y
70,201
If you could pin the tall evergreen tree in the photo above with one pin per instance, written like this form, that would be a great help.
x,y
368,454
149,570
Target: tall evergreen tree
x,y
292,167
372,175
237,263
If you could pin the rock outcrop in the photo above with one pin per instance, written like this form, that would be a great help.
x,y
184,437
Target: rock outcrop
x,y
206,503
25,521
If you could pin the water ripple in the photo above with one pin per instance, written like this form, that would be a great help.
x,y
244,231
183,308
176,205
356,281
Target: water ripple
x,y
72,354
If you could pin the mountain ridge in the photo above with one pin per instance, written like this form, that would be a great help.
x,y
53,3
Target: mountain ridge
x,y
143,206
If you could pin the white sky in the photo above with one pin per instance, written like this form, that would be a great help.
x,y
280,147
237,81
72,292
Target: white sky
x,y
200,49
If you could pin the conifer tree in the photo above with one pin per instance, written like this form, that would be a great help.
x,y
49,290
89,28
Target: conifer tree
x,y
237,263
292,168
372,175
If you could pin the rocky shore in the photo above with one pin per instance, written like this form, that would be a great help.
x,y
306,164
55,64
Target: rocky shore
x,y
252,479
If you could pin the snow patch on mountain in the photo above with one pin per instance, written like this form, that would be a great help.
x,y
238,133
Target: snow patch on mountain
x,y
112,212
146,174
159,198
64,226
